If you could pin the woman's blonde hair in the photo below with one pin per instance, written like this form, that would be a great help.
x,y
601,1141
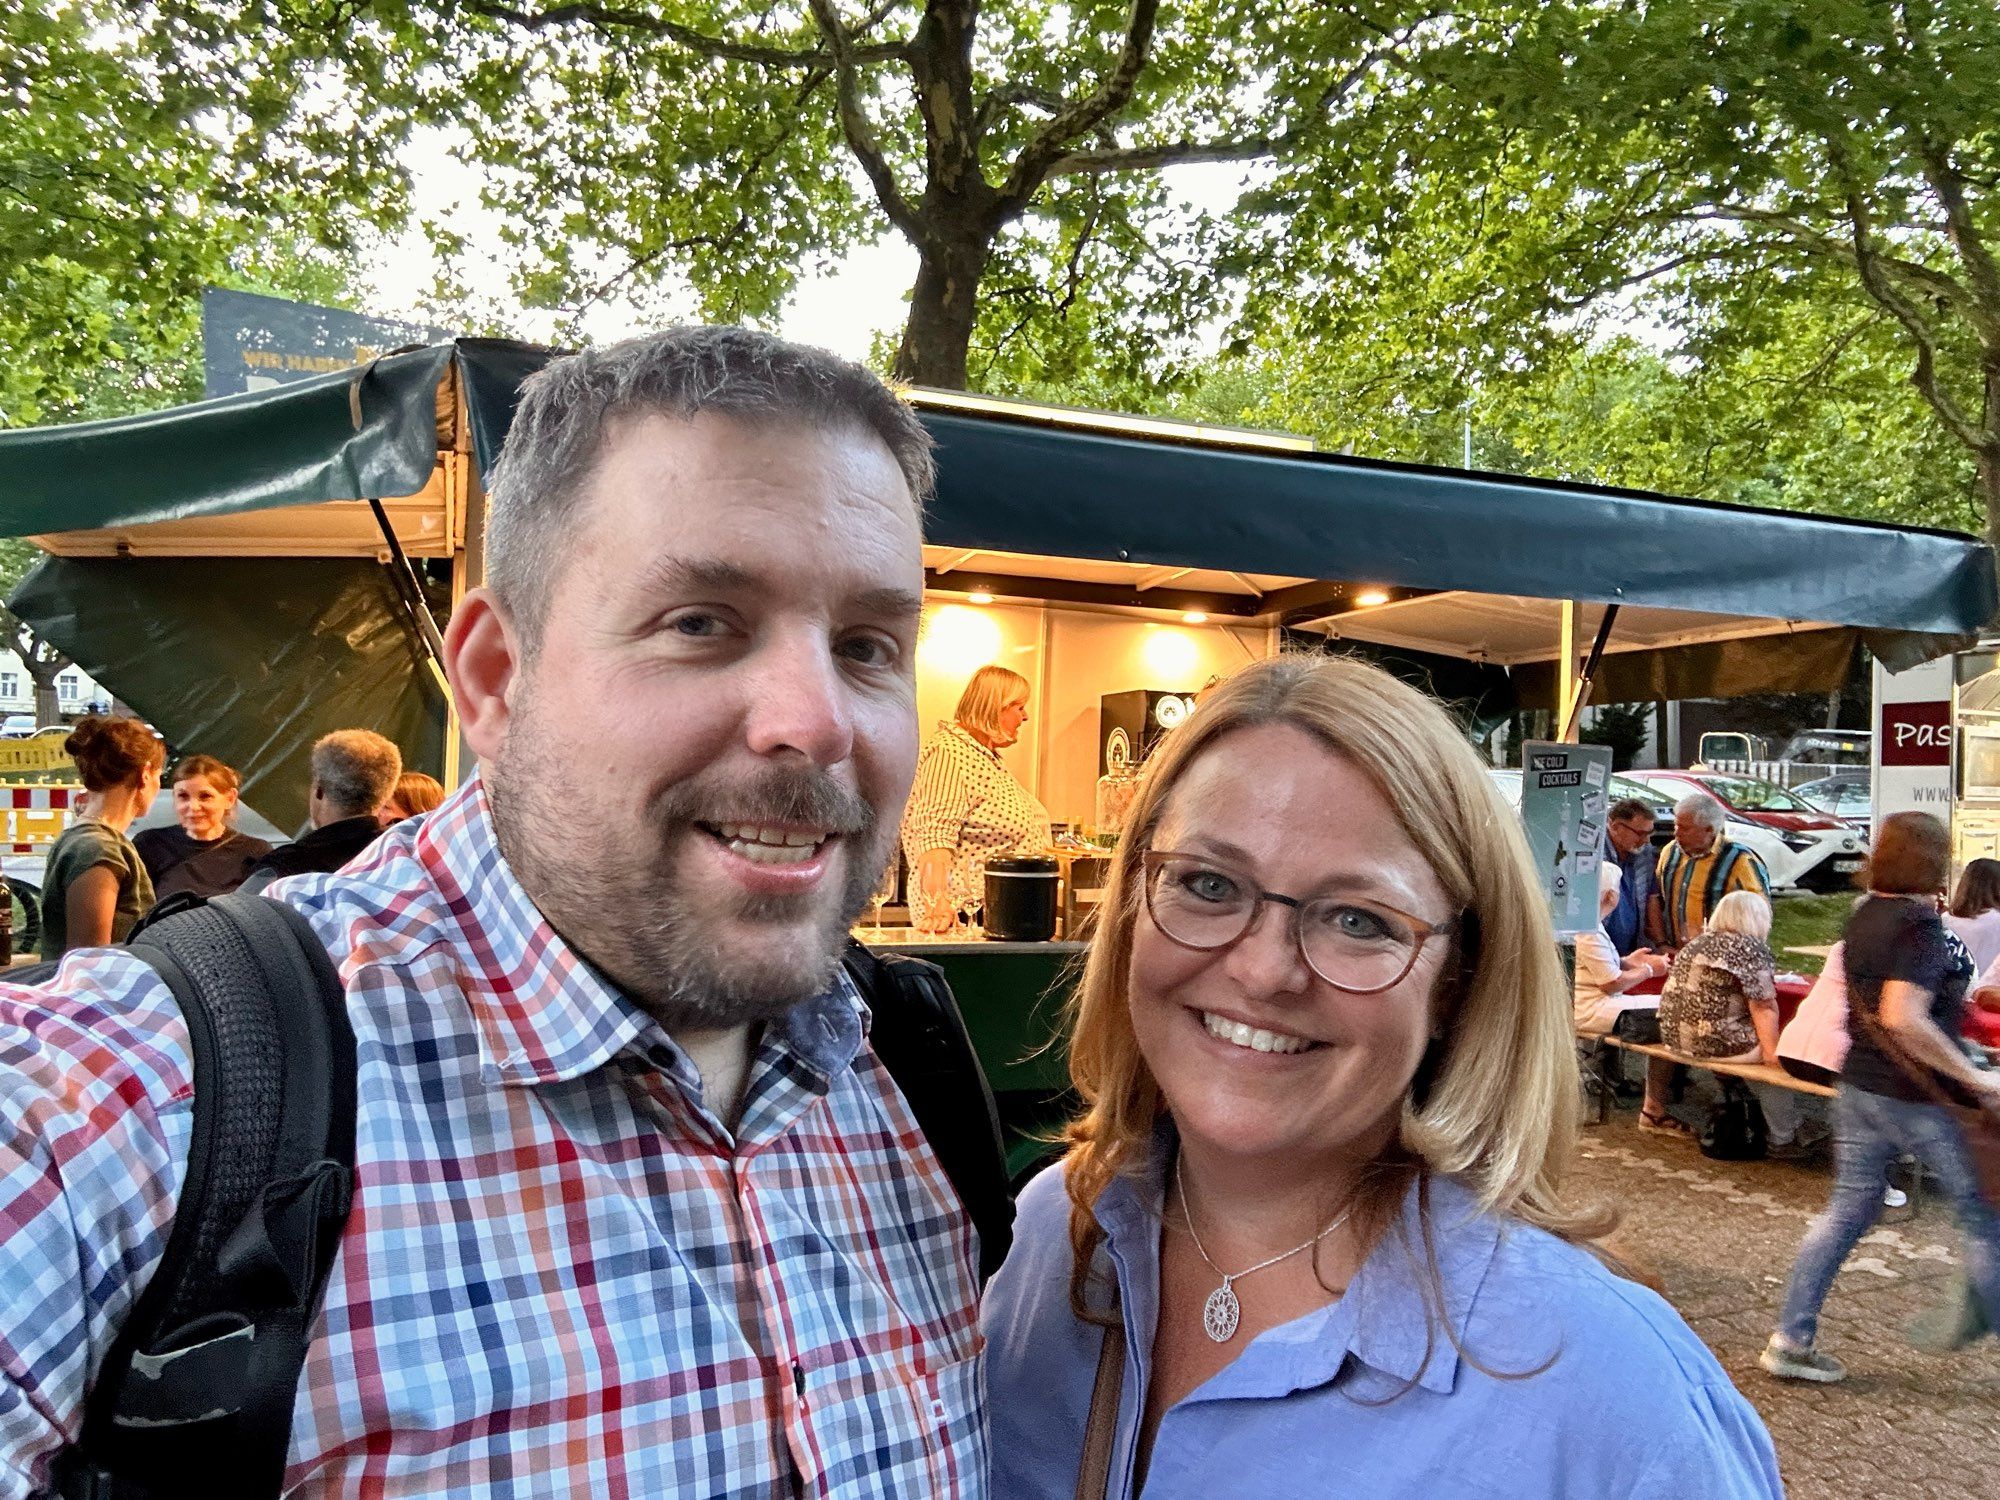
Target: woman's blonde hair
x,y
1742,912
992,688
1495,1100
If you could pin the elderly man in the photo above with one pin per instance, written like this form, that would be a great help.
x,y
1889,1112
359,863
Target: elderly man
x,y
1698,869
353,773
638,1210
1628,839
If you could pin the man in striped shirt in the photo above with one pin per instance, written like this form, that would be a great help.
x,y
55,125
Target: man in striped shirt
x,y
637,1210
1699,868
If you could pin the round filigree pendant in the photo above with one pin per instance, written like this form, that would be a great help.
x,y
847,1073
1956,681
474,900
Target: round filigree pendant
x,y
1220,1313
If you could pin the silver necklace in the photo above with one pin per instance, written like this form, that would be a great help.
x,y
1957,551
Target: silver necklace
x,y
1222,1312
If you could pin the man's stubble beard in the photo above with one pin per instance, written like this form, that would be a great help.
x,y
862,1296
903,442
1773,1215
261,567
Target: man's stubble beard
x,y
616,902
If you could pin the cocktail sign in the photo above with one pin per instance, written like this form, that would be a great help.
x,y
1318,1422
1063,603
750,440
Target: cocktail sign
x,y
1562,811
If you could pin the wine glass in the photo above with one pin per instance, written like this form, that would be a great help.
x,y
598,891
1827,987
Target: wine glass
x,y
969,898
884,893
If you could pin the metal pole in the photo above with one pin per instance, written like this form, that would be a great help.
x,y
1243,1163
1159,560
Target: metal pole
x,y
411,591
1565,670
1574,714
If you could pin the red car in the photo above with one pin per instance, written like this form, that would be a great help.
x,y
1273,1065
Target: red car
x,y
1830,852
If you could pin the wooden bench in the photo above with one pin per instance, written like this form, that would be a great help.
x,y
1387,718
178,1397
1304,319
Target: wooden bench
x,y
1758,1072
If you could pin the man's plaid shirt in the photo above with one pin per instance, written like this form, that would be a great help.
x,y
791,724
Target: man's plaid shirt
x,y
561,1275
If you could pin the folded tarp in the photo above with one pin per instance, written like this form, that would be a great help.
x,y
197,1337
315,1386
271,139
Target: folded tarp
x,y
246,659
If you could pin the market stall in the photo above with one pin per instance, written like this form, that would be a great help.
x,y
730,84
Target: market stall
x,y
1116,564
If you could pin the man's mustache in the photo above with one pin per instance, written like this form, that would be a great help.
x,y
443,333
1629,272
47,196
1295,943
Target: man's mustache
x,y
812,798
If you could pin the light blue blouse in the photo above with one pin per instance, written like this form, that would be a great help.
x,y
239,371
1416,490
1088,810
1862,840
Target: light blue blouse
x,y
1633,1404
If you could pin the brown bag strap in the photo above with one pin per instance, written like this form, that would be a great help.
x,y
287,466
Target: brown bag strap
x,y
1922,1074
1093,1474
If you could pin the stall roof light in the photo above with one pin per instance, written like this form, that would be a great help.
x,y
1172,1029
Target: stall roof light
x,y
1194,617
1372,596
982,597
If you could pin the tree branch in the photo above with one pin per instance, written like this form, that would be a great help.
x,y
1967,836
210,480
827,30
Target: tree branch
x,y
1082,116
1240,148
1647,273
1166,154
855,126
1015,93
1073,284
1927,279
731,48
1960,226
1924,374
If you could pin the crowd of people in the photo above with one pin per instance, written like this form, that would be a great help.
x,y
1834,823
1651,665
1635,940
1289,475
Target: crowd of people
x,y
100,879
1887,1024
638,1206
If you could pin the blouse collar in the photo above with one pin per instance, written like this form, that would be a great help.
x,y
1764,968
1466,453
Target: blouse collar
x,y
952,726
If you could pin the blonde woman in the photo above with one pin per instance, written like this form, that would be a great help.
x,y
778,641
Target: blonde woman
x,y
966,807
1312,1219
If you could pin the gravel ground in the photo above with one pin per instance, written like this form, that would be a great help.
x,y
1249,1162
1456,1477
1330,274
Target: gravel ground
x,y
1721,1236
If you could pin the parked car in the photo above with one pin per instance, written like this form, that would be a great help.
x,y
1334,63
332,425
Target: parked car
x,y
17,726
1848,798
1508,780
1822,853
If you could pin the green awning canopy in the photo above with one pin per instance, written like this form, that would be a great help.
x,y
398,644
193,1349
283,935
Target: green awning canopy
x,y
1022,486
1071,507
291,445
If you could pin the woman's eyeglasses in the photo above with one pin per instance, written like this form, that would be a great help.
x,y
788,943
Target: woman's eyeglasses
x,y
1362,947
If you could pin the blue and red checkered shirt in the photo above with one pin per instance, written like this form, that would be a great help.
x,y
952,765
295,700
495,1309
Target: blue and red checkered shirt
x,y
562,1274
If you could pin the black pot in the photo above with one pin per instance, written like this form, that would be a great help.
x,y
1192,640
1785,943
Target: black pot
x,y
1020,900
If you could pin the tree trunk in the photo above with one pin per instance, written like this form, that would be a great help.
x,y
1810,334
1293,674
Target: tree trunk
x,y
41,661
944,305
1987,459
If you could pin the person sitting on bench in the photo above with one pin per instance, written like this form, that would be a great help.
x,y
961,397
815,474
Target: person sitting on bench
x,y
1603,1002
1721,1005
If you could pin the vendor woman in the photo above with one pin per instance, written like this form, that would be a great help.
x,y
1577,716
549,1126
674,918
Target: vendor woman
x,y
967,808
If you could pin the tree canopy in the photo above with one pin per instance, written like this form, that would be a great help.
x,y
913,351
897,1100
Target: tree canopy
x,y
1742,249
143,156
1728,170
740,144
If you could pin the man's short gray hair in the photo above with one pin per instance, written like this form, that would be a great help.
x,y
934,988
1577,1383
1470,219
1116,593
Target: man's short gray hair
x,y
558,431
1699,807
356,770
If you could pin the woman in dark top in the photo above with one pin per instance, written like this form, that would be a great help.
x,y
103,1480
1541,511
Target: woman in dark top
x,y
1906,980
95,886
204,854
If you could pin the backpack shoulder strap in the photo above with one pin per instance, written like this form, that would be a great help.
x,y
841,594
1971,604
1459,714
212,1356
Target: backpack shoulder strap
x,y
195,1395
921,1038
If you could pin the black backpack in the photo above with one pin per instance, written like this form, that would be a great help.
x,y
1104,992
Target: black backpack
x,y
1735,1130
195,1395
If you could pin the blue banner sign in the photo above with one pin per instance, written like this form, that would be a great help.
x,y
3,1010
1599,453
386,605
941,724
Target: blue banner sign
x,y
251,343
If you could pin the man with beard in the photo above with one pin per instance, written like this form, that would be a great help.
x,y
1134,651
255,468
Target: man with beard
x,y
637,1209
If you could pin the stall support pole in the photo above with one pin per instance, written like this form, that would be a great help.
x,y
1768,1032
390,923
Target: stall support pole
x,y
1566,673
1580,693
